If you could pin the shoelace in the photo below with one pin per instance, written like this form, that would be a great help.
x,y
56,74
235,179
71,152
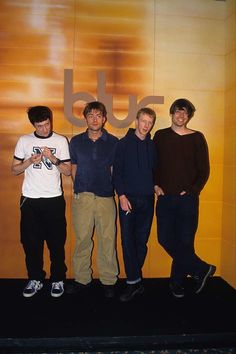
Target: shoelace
x,y
32,284
57,285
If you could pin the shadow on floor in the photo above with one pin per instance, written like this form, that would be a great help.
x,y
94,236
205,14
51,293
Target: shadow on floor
x,y
89,322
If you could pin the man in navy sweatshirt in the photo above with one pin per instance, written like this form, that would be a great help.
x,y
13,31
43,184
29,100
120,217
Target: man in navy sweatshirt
x,y
133,173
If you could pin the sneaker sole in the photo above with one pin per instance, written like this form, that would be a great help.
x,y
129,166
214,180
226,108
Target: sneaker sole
x,y
178,296
57,295
30,295
209,274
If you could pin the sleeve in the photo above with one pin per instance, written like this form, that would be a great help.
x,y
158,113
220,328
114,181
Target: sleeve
x,y
155,141
154,163
118,168
113,150
202,165
72,151
19,150
64,150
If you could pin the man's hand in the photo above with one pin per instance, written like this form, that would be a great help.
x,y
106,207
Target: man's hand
x,y
125,203
158,190
46,152
36,158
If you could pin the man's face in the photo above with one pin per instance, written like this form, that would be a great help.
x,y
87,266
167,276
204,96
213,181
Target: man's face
x,y
95,120
43,128
143,125
180,117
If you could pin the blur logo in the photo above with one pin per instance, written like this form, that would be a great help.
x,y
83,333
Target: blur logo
x,y
107,99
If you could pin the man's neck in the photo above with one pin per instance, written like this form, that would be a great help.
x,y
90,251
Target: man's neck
x,y
94,135
140,136
181,130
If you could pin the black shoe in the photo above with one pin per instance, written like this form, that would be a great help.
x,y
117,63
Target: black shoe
x,y
32,288
76,287
200,280
132,290
57,289
177,290
109,291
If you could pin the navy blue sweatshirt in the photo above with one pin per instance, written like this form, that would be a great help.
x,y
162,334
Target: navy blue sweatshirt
x,y
133,169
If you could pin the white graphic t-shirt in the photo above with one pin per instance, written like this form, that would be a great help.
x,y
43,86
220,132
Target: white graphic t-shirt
x,y
42,180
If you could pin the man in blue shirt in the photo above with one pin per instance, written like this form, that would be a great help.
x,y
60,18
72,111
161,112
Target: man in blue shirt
x,y
92,154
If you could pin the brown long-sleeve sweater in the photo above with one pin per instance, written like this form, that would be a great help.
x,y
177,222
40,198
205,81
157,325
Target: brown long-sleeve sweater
x,y
182,162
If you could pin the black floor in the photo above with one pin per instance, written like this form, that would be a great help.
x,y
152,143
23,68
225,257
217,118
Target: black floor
x,y
90,323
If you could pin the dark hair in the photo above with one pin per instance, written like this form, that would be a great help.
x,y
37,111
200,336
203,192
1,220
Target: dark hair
x,y
39,114
150,112
183,103
99,106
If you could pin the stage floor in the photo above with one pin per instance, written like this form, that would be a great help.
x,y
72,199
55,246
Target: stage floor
x,y
89,322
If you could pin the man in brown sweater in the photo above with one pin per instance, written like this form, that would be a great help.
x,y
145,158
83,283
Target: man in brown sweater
x,y
182,171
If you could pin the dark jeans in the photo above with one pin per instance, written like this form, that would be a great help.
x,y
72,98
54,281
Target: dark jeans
x,y
135,230
177,222
43,219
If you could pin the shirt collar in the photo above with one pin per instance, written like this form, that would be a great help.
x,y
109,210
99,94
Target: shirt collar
x,y
43,137
102,137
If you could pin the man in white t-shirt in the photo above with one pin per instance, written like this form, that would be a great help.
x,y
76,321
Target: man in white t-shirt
x,y
42,156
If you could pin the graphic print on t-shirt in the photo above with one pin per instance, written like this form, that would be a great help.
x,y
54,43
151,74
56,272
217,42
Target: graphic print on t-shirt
x,y
47,163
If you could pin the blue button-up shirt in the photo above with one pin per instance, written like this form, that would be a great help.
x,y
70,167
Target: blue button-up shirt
x,y
94,162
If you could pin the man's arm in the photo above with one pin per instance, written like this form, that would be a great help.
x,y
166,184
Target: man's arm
x,y
19,166
73,172
118,178
202,165
63,167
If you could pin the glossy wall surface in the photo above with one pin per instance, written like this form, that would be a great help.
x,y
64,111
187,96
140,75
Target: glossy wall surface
x,y
121,52
228,244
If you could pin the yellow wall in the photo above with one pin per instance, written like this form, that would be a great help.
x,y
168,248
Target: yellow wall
x,y
164,48
228,242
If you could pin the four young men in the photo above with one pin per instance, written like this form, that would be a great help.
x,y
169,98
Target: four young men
x,y
174,164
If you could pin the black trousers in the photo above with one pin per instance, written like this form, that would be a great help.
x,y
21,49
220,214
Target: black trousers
x,y
177,222
43,220
135,231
